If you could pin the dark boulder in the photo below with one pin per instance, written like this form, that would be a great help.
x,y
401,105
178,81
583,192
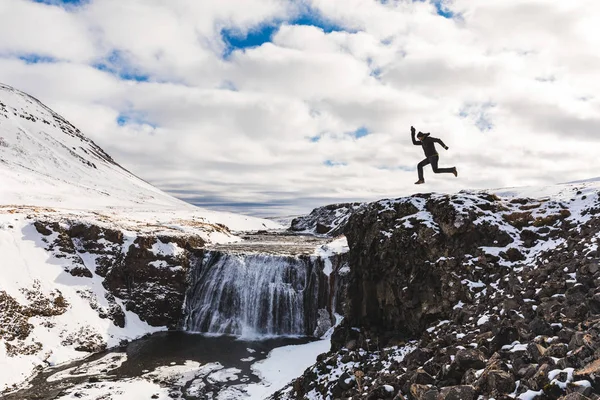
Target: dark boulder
x,y
464,392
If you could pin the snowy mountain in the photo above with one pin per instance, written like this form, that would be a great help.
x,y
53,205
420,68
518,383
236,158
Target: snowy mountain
x,y
47,162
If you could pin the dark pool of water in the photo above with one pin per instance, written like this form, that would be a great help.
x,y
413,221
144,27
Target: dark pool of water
x,y
167,347
163,349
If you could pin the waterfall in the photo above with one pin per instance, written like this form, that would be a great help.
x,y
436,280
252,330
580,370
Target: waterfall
x,y
255,294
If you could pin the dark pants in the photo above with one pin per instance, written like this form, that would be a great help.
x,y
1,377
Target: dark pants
x,y
433,160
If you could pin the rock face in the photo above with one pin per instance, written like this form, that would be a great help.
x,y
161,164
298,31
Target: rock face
x,y
147,272
328,220
14,319
405,253
470,296
151,281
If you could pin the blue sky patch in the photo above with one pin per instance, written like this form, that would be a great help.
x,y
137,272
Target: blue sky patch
x,y
122,120
311,17
441,8
331,163
360,132
235,40
263,33
133,118
479,114
117,65
387,41
36,59
376,73
64,3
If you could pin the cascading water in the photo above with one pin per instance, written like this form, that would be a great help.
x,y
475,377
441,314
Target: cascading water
x,y
255,294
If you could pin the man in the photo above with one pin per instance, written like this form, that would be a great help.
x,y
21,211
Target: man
x,y
431,154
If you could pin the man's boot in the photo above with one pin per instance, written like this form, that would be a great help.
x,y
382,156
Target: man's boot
x,y
455,172
420,181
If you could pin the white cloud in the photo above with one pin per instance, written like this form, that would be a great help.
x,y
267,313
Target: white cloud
x,y
510,85
37,28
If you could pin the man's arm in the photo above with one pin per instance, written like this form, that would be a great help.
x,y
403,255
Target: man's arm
x,y
412,135
436,140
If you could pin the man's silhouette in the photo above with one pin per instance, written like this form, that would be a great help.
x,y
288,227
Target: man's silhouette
x,y
431,154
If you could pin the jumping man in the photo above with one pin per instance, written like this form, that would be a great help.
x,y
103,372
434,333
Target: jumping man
x,y
432,156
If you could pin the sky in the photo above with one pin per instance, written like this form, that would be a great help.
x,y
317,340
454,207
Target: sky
x,y
274,107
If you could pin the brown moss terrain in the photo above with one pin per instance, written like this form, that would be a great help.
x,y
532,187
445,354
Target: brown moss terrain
x,y
15,326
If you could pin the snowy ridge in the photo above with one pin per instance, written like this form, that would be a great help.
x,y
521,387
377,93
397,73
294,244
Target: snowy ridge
x,y
47,162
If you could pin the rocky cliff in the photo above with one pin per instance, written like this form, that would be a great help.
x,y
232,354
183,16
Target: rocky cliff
x,y
147,272
328,220
468,296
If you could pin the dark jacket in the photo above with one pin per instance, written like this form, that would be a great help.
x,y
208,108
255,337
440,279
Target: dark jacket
x,y
428,144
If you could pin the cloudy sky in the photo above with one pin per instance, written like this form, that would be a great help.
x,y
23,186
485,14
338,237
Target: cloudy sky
x,y
277,106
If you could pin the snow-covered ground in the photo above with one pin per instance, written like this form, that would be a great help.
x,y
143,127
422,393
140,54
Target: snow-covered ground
x,y
31,276
278,369
50,171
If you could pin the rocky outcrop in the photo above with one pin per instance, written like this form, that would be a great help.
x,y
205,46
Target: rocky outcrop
x,y
15,324
405,255
151,275
467,296
152,282
147,273
328,220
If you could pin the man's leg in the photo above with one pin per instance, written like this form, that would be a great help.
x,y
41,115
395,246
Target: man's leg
x,y
434,165
420,168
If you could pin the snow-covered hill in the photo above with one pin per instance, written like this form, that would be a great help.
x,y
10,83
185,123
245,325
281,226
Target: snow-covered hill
x,y
47,162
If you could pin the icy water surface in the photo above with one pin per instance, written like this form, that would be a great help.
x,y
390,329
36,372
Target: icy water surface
x,y
225,361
